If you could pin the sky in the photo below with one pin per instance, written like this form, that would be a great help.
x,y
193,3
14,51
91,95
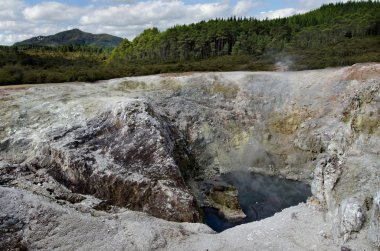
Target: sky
x,y
22,19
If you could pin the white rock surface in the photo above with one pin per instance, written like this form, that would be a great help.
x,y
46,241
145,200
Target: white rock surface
x,y
60,144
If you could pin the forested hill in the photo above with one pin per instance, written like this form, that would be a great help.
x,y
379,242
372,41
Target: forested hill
x,y
335,34
74,37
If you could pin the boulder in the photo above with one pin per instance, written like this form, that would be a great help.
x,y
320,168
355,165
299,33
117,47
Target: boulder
x,y
225,199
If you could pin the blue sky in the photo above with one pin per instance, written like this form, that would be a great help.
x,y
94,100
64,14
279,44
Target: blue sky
x,y
22,19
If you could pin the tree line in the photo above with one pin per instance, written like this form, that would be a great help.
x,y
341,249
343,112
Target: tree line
x,y
329,25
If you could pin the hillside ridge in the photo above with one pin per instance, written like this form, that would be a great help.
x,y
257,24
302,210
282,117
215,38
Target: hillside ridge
x,y
74,37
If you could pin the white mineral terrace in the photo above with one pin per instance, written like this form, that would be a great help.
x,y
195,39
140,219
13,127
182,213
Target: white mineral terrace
x,y
66,150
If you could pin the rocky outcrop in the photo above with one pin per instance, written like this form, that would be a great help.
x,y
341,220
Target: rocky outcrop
x,y
222,197
326,175
123,155
374,219
225,199
351,217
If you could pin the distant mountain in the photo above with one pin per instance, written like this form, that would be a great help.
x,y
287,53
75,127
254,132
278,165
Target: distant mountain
x,y
76,37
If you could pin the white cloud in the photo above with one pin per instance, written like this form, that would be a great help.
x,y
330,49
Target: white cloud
x,y
12,38
310,4
243,7
279,13
128,20
52,11
154,13
302,6
9,10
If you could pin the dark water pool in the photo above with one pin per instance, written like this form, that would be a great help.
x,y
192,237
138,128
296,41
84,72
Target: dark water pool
x,y
260,196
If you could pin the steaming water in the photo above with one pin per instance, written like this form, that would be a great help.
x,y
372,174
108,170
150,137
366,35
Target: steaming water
x,y
260,196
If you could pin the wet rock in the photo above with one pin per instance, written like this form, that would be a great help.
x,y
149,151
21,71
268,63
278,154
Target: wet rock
x,y
225,199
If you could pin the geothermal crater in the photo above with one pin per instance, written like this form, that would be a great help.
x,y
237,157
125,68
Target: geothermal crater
x,y
117,164
257,196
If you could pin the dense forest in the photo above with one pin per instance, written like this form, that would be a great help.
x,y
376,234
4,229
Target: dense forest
x,y
347,25
333,35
